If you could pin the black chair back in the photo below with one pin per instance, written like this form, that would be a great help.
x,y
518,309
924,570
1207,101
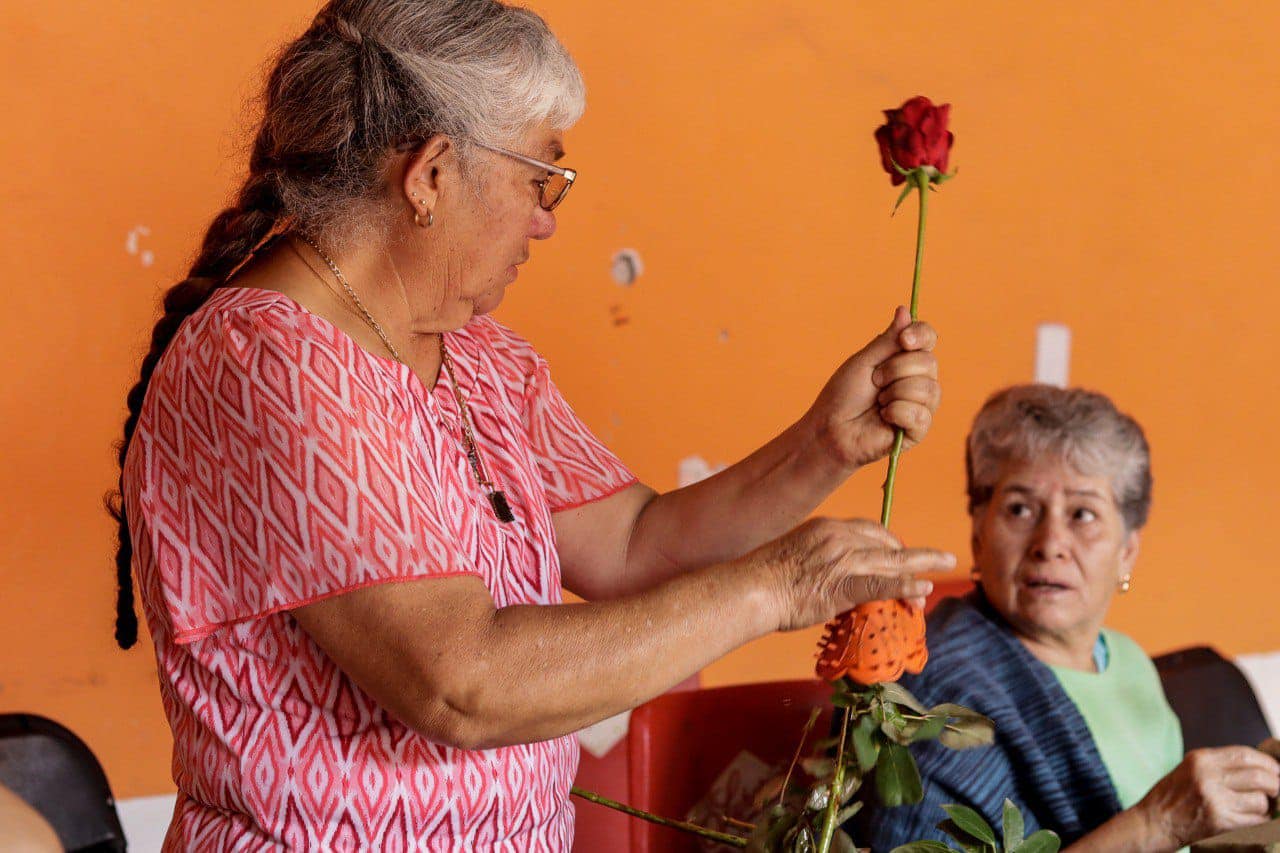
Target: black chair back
x,y
1212,698
56,773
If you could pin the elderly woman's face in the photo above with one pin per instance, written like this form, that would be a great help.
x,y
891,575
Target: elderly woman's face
x,y
1051,547
483,223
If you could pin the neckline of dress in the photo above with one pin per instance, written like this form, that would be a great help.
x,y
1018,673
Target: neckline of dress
x,y
405,373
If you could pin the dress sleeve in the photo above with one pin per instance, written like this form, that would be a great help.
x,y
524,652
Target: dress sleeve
x,y
575,466
276,474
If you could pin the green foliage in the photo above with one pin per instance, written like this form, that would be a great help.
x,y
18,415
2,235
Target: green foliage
x,y
970,833
796,813
866,746
1013,826
1043,841
897,777
971,823
883,721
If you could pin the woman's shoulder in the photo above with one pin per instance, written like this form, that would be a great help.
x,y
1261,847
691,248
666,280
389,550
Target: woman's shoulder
x,y
255,339
268,310
247,320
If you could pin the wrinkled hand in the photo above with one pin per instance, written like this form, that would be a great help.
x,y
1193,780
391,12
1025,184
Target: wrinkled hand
x,y
827,566
891,382
1211,791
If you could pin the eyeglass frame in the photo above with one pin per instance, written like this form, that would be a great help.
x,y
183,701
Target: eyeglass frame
x,y
570,175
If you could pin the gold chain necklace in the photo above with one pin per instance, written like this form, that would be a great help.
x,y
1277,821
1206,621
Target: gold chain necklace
x,y
497,500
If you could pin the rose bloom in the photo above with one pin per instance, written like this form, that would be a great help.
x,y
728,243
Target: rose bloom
x,y
915,135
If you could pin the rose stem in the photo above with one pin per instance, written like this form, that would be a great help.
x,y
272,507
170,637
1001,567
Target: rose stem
x,y
921,180
837,788
693,828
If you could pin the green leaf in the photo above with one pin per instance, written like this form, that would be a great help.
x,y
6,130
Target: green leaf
x,y
922,847
1044,841
1013,827
897,777
972,823
956,712
865,745
962,839
929,729
964,729
899,695
897,730
842,700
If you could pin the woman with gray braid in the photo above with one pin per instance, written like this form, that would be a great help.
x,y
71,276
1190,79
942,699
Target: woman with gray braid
x,y
351,498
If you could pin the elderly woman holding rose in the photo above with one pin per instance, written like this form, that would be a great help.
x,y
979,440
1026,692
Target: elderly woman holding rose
x,y
351,498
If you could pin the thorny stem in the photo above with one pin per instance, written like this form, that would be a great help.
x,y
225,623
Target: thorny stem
x,y
837,788
683,826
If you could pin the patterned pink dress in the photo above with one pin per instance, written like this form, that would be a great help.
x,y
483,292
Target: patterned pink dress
x,y
277,463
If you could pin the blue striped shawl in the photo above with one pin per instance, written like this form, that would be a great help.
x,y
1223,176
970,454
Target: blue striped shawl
x,y
1044,758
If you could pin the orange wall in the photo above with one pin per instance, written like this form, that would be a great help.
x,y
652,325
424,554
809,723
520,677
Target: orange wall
x,y
1118,166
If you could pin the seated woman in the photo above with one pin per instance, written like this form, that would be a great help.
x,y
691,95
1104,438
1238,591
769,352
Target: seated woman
x,y
1059,486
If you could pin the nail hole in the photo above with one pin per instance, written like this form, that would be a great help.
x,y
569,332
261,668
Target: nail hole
x,y
626,267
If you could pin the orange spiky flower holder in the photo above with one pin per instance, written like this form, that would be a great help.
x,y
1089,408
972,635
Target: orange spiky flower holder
x,y
874,642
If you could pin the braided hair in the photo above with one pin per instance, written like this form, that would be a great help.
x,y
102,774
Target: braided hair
x,y
231,237
363,79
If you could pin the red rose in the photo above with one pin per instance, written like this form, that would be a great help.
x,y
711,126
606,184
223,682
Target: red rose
x,y
914,135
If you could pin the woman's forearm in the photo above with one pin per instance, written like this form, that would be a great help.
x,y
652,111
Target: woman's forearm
x,y
532,673
1130,830
736,510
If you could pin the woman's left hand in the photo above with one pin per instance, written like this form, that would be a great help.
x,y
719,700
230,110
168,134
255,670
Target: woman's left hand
x,y
891,382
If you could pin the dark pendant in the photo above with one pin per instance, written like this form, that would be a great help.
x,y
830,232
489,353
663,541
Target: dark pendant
x,y
501,508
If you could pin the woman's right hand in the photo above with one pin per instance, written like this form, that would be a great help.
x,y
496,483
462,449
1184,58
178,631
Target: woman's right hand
x,y
1210,792
827,566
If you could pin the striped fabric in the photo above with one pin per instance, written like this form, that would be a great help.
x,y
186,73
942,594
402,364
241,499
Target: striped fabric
x,y
1044,758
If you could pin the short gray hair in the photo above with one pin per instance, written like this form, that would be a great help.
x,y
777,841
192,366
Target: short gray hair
x,y
1082,428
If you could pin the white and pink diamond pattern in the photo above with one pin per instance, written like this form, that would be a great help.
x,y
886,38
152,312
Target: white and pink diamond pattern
x,y
277,463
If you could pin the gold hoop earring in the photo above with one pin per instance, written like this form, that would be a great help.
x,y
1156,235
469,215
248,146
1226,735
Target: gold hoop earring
x,y
417,219
1126,583
975,576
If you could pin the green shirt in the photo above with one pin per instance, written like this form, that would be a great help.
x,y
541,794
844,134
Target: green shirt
x,y
1135,730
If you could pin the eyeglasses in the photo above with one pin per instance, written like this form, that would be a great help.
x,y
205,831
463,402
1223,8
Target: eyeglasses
x,y
551,190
